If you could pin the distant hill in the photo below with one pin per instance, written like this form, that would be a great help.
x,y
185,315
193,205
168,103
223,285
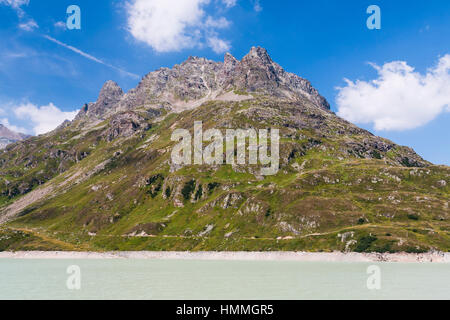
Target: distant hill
x,y
8,136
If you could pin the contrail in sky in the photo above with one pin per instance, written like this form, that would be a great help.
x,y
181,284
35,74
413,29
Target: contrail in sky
x,y
90,57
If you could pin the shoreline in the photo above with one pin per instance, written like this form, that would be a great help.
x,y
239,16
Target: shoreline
x,y
430,257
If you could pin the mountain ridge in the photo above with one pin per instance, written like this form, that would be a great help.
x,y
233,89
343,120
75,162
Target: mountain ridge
x,y
201,79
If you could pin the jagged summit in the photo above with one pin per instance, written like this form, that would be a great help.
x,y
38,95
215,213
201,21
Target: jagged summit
x,y
197,80
110,88
259,53
229,57
109,96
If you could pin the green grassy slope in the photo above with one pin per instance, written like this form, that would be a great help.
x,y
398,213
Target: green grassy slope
x,y
338,188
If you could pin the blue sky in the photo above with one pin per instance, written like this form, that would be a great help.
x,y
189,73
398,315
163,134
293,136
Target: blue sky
x,y
42,80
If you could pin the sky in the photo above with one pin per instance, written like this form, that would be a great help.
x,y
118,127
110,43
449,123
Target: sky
x,y
393,81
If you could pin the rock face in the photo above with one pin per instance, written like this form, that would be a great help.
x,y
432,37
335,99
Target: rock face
x,y
109,96
258,73
125,125
199,79
8,136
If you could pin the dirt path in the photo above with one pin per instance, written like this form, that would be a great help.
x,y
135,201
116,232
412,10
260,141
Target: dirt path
x,y
45,238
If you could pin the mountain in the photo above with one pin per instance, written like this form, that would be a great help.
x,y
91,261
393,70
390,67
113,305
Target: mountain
x,y
107,181
7,136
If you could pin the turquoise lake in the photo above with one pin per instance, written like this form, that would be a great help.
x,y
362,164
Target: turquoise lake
x,y
209,280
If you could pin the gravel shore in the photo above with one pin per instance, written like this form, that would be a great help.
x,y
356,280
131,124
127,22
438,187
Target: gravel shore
x,y
437,257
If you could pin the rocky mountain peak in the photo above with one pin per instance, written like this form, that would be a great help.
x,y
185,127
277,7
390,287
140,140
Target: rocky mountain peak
x,y
229,65
110,92
191,83
258,54
257,72
229,59
194,59
110,95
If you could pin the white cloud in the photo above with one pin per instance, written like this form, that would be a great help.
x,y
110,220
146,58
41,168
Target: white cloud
x,y
15,55
16,5
164,24
220,23
218,45
400,98
60,25
30,25
43,119
172,25
229,3
257,5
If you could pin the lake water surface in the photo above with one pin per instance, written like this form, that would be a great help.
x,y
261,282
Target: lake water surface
x,y
206,280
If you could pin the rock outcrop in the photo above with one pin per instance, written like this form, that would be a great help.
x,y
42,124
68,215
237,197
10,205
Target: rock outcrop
x,y
109,96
